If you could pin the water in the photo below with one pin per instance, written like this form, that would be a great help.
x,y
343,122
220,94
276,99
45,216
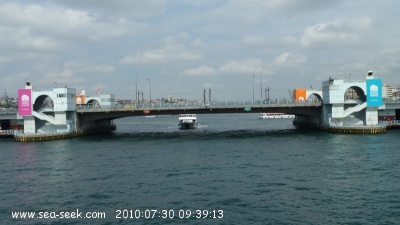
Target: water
x,y
255,171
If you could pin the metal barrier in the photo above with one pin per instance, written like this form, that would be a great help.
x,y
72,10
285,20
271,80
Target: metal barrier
x,y
8,110
389,122
198,105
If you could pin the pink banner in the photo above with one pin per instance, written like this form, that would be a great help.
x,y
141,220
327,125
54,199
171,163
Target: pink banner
x,y
25,102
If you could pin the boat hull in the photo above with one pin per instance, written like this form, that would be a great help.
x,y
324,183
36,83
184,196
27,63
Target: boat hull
x,y
187,125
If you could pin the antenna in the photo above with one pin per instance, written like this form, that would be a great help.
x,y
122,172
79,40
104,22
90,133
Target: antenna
x,y
212,96
209,96
268,92
204,96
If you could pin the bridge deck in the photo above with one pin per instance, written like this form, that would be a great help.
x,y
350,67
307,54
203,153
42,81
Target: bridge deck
x,y
305,108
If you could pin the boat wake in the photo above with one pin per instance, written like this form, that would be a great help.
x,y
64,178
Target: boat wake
x,y
206,134
198,126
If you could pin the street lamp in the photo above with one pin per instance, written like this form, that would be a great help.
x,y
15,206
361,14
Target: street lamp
x,y
150,89
136,91
260,85
253,90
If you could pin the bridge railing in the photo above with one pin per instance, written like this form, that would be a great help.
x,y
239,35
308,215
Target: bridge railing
x,y
389,122
7,131
8,110
197,105
391,100
11,132
214,104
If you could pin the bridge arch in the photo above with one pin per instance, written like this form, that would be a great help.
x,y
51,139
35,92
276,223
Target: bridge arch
x,y
355,92
315,96
93,102
42,101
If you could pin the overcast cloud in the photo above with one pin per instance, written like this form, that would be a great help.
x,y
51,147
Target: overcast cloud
x,y
184,46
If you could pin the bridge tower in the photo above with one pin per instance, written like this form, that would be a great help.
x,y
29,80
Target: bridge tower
x,y
51,111
351,103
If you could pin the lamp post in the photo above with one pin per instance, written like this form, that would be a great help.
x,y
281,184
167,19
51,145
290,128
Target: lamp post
x,y
253,90
260,85
150,89
136,91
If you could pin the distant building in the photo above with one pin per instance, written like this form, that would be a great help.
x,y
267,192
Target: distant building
x,y
387,91
396,93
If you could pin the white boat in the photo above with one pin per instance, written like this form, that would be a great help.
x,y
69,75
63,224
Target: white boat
x,y
187,121
151,116
275,116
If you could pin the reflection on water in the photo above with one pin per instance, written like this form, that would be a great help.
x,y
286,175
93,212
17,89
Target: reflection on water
x,y
25,154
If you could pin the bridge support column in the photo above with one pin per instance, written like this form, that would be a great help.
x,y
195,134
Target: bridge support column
x,y
29,124
87,126
371,115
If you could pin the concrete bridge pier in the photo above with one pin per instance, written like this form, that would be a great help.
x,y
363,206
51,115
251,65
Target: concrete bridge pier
x,y
314,122
85,125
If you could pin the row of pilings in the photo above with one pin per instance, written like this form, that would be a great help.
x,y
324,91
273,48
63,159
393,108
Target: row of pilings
x,y
378,129
65,135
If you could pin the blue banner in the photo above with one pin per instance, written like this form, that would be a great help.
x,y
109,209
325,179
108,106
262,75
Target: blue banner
x,y
374,92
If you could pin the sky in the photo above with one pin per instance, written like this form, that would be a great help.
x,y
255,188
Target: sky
x,y
177,48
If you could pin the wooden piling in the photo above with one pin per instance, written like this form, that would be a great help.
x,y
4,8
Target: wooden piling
x,y
58,136
344,129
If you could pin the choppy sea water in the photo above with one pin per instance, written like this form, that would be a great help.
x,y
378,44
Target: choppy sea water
x,y
240,168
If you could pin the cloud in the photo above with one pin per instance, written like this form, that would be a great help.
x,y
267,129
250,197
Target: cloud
x,y
135,8
254,40
247,66
174,42
200,71
57,77
391,52
289,40
5,59
260,12
304,6
38,24
174,49
290,60
12,80
86,67
338,33
23,38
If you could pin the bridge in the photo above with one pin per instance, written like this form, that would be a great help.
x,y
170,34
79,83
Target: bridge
x,y
304,108
333,108
91,118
